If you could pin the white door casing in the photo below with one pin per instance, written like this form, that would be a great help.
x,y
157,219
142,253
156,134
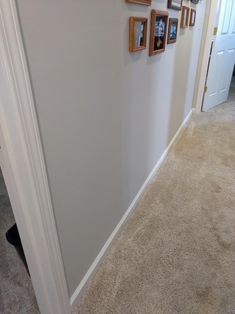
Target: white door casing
x,y
222,58
24,170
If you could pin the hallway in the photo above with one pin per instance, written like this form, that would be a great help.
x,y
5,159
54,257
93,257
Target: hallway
x,y
176,254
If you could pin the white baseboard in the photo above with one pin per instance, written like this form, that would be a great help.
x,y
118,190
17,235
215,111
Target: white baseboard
x,y
133,205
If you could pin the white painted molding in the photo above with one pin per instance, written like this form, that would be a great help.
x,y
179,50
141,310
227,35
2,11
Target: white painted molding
x,y
210,22
75,297
24,170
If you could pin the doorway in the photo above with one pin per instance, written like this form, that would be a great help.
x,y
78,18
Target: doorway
x,y
16,290
222,58
231,96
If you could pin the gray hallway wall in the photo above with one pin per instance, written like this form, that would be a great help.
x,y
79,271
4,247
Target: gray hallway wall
x,y
106,116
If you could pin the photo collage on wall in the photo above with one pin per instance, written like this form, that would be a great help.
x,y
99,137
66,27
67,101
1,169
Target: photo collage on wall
x,y
172,31
159,24
159,32
138,33
163,29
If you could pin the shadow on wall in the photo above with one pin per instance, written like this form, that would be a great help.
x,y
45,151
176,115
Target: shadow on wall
x,y
157,97
179,107
185,69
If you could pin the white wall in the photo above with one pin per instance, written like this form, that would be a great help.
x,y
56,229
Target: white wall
x,y
105,115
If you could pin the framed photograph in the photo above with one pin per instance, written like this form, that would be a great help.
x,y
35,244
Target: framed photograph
x,y
159,24
138,33
184,17
145,2
172,31
193,14
175,4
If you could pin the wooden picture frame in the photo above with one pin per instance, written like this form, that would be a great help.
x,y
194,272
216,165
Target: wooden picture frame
x,y
193,14
174,4
158,32
144,2
184,17
172,30
138,33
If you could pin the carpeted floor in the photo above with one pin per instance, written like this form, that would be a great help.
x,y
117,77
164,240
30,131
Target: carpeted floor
x,y
176,253
16,291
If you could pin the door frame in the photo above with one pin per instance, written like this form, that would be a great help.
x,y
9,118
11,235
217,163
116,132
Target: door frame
x,y
207,37
24,169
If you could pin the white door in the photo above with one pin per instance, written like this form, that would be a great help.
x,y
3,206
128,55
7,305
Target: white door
x,y
222,58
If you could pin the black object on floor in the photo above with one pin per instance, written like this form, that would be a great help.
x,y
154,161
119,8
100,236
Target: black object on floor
x,y
13,238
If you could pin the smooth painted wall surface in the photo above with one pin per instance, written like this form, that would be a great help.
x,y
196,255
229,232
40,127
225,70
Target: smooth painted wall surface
x,y
106,116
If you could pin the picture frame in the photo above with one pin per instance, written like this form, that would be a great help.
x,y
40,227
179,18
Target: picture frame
x,y
158,32
184,17
193,14
144,2
138,33
174,4
172,30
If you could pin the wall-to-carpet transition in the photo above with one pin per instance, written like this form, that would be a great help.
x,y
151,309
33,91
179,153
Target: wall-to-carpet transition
x,y
176,253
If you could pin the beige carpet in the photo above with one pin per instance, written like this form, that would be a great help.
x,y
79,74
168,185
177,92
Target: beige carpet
x,y
16,291
176,254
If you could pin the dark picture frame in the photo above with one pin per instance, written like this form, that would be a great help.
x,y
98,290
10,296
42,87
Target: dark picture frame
x,y
193,14
144,2
138,33
158,32
184,17
172,30
174,4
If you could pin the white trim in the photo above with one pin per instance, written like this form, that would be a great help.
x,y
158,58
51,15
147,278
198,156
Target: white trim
x,y
75,297
24,169
210,22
